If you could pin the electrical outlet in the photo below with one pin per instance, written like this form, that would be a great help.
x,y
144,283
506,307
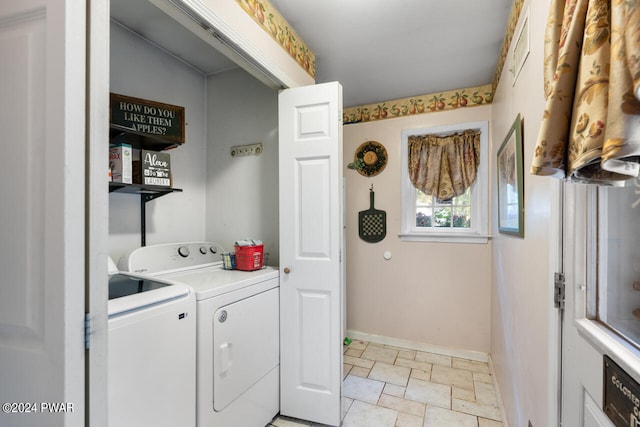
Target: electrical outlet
x,y
246,150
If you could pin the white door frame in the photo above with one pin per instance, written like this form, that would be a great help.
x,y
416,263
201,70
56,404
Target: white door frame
x,y
556,260
97,215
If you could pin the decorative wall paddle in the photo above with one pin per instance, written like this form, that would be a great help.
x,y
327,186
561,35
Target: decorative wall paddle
x,y
372,223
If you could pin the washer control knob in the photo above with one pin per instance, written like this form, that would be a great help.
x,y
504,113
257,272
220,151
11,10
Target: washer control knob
x,y
183,251
203,250
213,250
223,316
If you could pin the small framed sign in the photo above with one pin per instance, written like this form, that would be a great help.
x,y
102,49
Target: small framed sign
x,y
621,395
148,118
153,168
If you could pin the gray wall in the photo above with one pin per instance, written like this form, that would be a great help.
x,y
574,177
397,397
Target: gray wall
x,y
242,192
223,199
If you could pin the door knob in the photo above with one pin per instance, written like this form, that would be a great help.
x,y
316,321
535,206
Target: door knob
x,y
287,270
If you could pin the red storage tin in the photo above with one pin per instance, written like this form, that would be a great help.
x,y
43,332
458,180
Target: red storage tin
x,y
249,258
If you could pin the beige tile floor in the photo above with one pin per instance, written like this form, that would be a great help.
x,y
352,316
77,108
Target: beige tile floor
x,y
388,386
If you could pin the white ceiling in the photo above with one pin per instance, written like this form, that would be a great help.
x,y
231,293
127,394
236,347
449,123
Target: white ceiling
x,y
157,27
382,50
379,50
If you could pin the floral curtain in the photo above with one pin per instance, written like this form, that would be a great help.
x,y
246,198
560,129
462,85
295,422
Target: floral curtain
x,y
590,130
444,166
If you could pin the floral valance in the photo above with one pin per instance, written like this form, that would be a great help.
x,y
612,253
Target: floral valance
x,y
444,166
590,130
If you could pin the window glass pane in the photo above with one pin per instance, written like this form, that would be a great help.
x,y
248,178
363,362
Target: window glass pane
x,y
465,199
461,217
423,217
422,199
451,213
619,260
442,217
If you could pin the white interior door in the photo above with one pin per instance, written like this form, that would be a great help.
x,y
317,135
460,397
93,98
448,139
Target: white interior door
x,y
311,246
42,185
586,339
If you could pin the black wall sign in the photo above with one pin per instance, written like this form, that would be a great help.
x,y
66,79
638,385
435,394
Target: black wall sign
x,y
621,396
162,121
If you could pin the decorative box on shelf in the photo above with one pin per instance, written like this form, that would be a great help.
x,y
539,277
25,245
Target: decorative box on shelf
x,y
152,168
120,163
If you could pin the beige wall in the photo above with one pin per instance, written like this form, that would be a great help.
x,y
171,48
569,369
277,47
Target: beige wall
x,y
522,326
434,293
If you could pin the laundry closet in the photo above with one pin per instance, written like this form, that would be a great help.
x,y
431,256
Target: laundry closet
x,y
256,163
223,198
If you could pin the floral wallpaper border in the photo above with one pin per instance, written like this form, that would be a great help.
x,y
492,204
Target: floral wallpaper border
x,y
275,25
443,101
429,103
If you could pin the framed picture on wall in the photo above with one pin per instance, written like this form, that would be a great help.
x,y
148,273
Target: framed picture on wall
x,y
510,182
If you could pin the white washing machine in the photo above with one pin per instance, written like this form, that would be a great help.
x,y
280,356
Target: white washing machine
x,y
238,355
151,373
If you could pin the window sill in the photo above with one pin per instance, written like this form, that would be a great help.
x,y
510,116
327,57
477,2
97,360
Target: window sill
x,y
445,238
606,342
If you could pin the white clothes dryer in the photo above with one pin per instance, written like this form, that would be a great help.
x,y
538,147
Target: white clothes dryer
x,y
238,355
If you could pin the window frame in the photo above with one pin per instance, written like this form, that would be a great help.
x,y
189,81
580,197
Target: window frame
x,y
597,291
478,233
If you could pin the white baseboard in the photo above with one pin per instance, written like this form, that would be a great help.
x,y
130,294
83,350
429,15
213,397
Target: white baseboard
x,y
413,345
496,387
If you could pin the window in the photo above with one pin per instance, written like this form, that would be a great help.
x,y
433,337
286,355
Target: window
x,y
434,215
463,218
615,300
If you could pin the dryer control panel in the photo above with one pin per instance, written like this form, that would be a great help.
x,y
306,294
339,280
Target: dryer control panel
x,y
166,258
